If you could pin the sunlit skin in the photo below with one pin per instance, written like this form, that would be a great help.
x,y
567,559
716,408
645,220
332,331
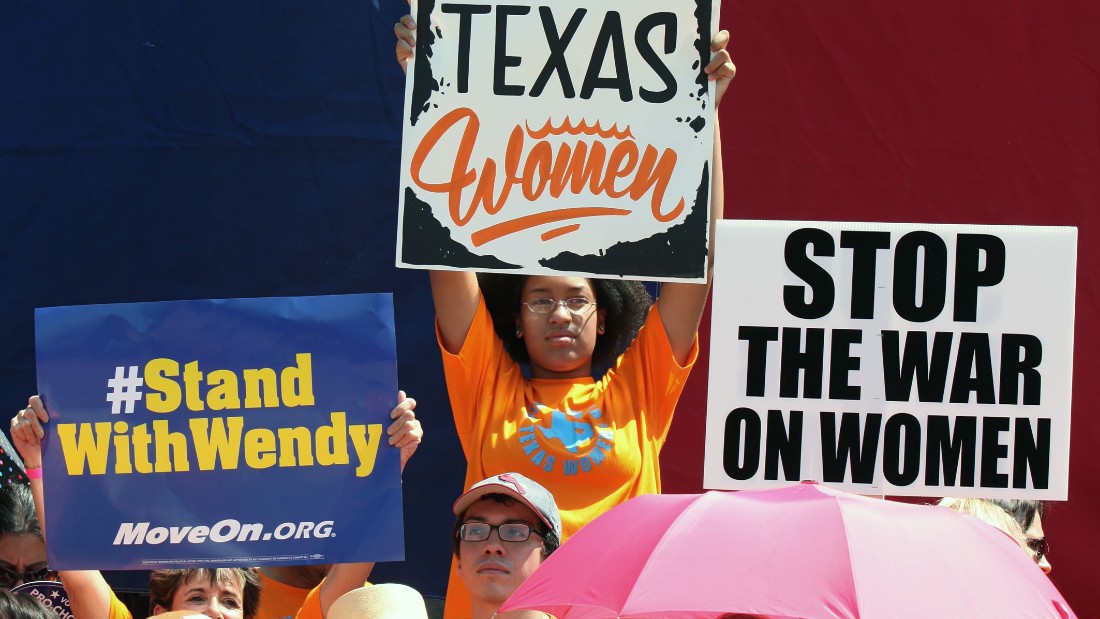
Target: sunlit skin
x,y
492,569
219,600
1036,532
560,343
22,553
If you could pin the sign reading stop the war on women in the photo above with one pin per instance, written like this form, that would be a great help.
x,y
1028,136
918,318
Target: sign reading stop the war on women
x,y
915,359
225,432
567,137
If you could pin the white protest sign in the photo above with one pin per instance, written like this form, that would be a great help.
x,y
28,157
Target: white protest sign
x,y
563,138
899,359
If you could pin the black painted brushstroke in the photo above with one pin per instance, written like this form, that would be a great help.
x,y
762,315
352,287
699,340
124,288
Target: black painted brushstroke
x,y
424,82
679,252
426,241
702,44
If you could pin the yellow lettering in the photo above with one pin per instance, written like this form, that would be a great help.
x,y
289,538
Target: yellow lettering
x,y
366,450
252,383
122,449
302,375
223,393
295,441
171,448
259,448
191,379
213,443
77,451
164,396
141,440
332,442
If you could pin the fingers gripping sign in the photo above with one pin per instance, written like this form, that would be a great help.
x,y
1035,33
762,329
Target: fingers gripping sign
x,y
27,431
721,68
405,30
405,433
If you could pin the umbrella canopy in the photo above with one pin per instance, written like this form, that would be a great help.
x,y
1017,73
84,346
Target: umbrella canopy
x,y
802,551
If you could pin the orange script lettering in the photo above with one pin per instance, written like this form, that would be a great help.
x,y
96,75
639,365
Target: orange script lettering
x,y
609,164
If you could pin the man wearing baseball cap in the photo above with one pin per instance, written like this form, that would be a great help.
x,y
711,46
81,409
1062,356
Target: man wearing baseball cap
x,y
506,526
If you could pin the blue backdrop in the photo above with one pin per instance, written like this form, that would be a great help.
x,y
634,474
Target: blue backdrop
x,y
193,150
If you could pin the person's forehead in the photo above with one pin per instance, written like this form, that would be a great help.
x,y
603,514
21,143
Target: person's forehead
x,y
25,546
204,583
541,284
492,512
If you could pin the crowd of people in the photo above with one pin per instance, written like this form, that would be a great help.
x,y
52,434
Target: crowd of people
x,y
520,353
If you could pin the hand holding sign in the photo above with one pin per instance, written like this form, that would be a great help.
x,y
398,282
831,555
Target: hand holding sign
x,y
721,68
405,431
27,432
405,29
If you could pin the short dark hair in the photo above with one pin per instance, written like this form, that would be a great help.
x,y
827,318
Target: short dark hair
x,y
164,583
22,606
1023,511
626,304
17,516
550,541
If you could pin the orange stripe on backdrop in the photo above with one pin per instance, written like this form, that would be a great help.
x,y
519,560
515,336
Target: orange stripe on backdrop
x,y
505,228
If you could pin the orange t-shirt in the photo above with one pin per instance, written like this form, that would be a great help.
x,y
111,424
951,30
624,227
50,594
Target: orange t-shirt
x,y
592,444
279,601
311,606
118,610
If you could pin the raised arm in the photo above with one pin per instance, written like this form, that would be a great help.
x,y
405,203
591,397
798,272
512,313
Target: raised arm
x,y
405,434
89,594
681,305
455,293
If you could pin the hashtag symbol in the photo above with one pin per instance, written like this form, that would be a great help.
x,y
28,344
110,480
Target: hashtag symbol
x,y
124,389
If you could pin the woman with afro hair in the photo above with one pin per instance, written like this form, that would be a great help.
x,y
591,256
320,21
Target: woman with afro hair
x,y
524,358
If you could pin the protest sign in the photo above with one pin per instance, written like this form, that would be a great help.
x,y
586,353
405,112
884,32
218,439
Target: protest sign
x,y
566,138
222,432
920,360
51,594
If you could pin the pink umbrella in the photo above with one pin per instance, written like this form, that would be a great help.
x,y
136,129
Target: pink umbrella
x,y
804,551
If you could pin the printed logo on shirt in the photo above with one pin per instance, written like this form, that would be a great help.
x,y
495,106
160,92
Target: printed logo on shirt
x,y
582,435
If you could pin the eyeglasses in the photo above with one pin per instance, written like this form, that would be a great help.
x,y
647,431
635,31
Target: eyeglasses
x,y
1039,546
576,305
508,532
8,577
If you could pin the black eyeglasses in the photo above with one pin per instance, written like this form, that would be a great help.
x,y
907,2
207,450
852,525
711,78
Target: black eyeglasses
x,y
576,305
508,532
1039,546
8,577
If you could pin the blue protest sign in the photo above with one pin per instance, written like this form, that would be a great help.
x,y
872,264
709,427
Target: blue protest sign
x,y
221,432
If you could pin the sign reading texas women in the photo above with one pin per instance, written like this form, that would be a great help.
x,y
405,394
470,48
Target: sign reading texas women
x,y
221,432
902,359
568,137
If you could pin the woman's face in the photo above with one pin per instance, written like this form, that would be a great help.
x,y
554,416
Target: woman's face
x,y
560,342
210,598
21,554
1035,532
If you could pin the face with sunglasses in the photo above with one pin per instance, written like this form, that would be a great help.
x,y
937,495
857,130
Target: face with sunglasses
x,y
1037,544
23,559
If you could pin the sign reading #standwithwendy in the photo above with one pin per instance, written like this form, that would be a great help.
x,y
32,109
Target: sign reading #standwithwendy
x,y
222,432
568,137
